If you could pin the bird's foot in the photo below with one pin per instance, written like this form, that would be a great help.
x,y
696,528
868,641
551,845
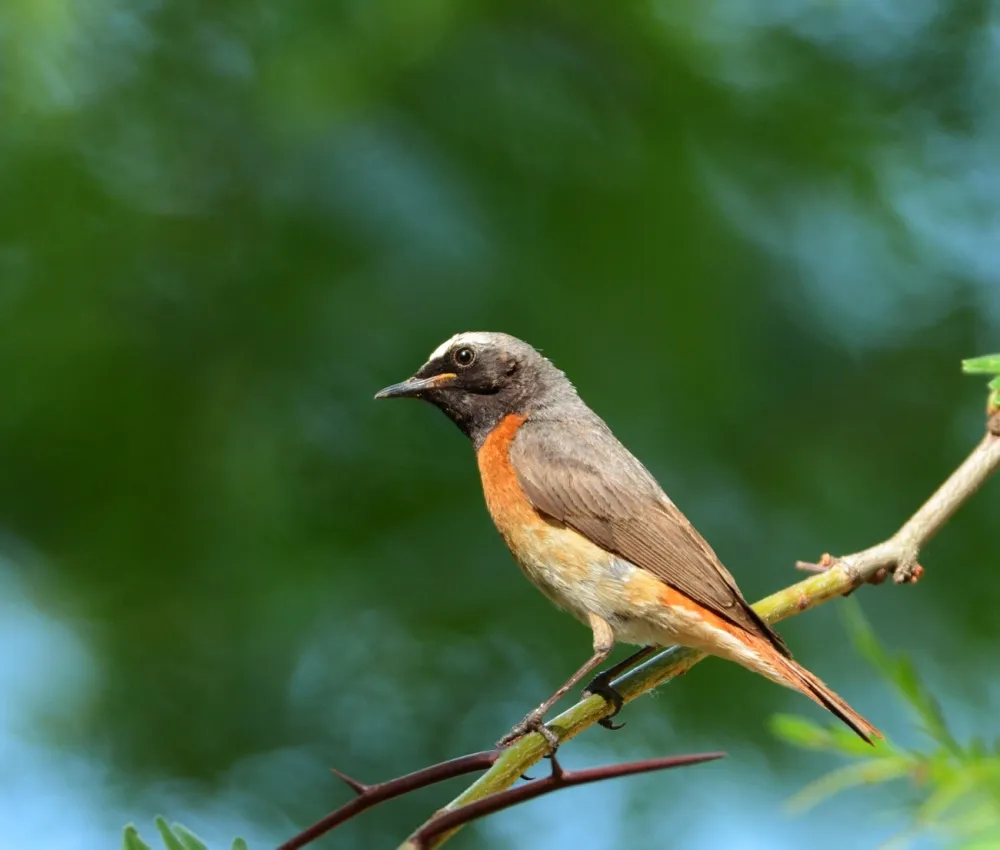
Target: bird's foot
x,y
600,685
533,722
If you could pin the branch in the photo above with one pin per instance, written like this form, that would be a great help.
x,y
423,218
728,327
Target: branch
x,y
556,780
372,795
898,555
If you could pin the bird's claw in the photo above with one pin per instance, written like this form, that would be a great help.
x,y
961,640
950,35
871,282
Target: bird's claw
x,y
533,722
600,686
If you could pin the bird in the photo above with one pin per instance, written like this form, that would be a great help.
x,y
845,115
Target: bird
x,y
591,527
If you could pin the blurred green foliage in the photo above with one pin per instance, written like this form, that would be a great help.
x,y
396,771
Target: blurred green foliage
x,y
176,837
756,236
955,787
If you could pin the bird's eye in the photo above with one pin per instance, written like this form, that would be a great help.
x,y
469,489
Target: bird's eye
x,y
464,356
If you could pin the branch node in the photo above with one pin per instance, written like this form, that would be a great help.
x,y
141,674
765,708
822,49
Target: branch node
x,y
908,572
825,563
881,574
993,423
853,573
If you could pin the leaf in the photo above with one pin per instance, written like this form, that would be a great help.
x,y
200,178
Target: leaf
x,y
171,841
860,773
901,672
238,844
986,365
988,840
974,822
131,839
947,794
188,838
802,733
847,741
834,738
925,704
863,637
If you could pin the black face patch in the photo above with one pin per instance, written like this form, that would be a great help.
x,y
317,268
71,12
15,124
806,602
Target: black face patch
x,y
481,394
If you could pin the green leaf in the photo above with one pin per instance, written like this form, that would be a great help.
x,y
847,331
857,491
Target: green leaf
x,y
987,365
802,733
188,838
925,704
834,738
170,841
238,844
863,637
869,772
973,822
131,839
947,794
901,672
988,840
846,741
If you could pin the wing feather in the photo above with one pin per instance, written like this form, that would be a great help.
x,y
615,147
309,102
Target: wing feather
x,y
579,474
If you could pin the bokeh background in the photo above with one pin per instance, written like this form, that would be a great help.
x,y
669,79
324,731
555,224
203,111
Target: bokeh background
x,y
759,237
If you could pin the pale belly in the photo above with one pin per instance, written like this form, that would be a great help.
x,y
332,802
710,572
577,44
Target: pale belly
x,y
584,579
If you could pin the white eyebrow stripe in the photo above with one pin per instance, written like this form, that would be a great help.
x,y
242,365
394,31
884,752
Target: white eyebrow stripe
x,y
471,337
442,348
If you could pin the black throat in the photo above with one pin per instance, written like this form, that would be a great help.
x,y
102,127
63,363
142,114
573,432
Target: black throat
x,y
475,414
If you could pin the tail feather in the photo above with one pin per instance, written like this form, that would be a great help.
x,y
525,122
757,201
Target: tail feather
x,y
762,655
796,676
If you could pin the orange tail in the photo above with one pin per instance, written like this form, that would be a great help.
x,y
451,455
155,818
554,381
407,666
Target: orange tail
x,y
795,676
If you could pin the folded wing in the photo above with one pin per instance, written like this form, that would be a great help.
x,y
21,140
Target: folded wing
x,y
579,474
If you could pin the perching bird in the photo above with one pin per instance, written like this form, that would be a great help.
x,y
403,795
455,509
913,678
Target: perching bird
x,y
589,525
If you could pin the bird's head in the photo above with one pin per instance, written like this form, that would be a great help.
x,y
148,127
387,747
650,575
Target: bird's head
x,y
478,378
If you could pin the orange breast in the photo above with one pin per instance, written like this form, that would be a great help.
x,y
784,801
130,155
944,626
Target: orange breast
x,y
505,499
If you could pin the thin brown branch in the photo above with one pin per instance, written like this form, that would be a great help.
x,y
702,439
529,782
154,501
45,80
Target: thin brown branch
x,y
555,781
896,555
918,531
372,795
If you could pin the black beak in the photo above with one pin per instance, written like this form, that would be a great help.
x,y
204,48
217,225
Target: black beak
x,y
415,387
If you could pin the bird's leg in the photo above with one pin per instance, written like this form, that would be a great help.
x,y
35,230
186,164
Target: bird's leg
x,y
604,641
601,684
